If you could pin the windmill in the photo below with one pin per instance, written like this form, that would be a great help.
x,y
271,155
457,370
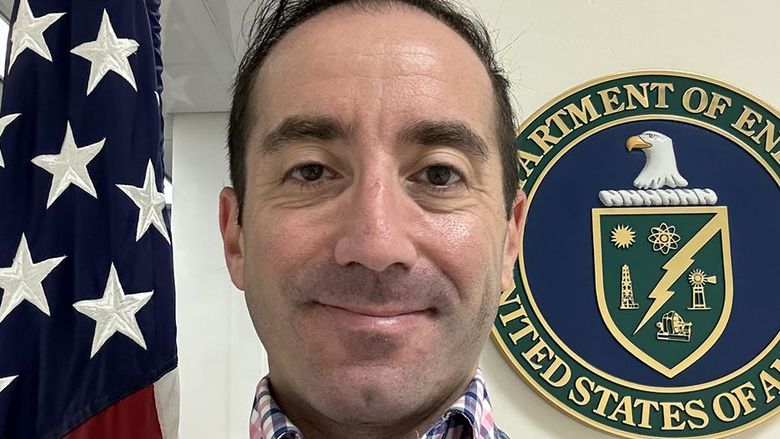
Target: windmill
x,y
697,278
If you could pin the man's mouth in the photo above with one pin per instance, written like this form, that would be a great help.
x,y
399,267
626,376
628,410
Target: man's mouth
x,y
384,319
377,311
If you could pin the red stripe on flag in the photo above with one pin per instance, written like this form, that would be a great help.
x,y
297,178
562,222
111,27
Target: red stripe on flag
x,y
133,417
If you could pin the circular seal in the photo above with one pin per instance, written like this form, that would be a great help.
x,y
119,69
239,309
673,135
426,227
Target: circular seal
x,y
646,294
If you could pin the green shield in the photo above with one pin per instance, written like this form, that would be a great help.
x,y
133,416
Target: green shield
x,y
663,281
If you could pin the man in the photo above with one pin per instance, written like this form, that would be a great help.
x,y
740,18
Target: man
x,y
374,218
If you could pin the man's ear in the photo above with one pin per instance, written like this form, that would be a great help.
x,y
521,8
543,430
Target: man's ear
x,y
512,242
232,236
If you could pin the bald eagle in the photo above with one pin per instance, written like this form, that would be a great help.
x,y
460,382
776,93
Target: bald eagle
x,y
660,165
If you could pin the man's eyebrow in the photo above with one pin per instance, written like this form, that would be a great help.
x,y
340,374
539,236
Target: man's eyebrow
x,y
454,134
293,128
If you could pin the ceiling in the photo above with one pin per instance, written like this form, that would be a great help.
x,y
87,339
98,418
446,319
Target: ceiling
x,y
202,43
202,40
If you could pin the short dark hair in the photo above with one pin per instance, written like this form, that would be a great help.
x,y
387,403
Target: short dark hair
x,y
276,18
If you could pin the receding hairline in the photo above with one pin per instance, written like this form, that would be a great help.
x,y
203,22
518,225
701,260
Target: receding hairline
x,y
278,18
371,7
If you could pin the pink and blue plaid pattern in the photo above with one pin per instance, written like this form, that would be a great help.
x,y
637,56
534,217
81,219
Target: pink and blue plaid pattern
x,y
471,417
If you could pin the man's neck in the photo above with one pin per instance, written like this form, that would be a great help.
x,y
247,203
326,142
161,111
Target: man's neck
x,y
315,425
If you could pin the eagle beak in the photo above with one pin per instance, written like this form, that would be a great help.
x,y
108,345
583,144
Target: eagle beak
x,y
636,142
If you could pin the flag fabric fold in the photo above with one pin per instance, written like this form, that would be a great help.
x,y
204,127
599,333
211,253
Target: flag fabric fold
x,y
87,317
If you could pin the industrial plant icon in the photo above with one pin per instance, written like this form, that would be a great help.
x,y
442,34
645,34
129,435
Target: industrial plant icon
x,y
672,327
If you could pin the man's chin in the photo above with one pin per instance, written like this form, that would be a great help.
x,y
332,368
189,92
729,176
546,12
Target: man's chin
x,y
375,395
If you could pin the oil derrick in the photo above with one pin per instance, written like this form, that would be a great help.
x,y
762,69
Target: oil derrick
x,y
626,290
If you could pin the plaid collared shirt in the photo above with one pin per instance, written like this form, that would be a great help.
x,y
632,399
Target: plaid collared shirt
x,y
471,417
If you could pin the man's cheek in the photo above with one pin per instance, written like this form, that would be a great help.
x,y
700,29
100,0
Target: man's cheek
x,y
463,246
285,243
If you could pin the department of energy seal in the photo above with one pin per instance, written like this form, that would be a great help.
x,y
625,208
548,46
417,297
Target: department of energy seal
x,y
647,298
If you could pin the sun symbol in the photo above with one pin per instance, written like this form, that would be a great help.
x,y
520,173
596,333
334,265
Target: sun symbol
x,y
623,236
663,238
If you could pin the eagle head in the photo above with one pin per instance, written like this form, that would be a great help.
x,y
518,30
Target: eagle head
x,y
660,164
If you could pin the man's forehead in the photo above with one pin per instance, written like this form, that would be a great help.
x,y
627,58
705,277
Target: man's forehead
x,y
346,29
406,50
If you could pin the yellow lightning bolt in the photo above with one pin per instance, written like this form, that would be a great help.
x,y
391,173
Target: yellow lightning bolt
x,y
680,262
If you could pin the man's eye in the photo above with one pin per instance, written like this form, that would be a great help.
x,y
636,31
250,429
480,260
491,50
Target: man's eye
x,y
311,173
439,176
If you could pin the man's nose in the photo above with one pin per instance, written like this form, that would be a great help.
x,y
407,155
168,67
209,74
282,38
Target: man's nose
x,y
376,232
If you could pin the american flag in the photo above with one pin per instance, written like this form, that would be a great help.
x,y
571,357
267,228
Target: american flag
x,y
87,327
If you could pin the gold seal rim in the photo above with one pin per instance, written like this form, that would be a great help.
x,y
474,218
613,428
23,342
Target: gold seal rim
x,y
496,336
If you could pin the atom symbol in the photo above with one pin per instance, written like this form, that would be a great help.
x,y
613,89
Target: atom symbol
x,y
663,238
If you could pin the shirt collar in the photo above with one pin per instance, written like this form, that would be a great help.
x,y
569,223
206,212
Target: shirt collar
x,y
267,420
474,407
470,416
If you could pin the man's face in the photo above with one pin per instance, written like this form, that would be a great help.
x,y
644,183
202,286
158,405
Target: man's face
x,y
374,242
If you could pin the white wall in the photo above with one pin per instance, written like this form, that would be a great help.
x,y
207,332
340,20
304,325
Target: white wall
x,y
220,357
547,47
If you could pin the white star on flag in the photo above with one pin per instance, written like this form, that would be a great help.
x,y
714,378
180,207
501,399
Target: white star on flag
x,y
28,33
107,53
69,166
4,122
150,204
22,280
114,312
4,382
